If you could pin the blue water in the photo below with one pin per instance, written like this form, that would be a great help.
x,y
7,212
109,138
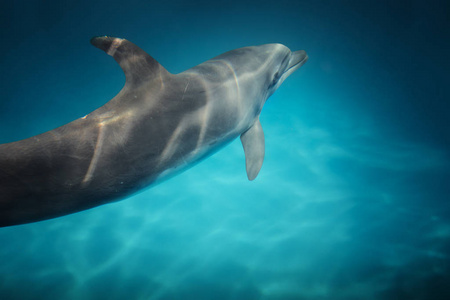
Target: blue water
x,y
352,201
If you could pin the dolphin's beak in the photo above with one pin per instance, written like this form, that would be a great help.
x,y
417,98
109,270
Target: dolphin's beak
x,y
298,58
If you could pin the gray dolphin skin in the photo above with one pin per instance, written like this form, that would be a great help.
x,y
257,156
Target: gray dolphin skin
x,y
156,126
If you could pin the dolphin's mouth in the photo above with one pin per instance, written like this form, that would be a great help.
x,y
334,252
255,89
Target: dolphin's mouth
x,y
297,59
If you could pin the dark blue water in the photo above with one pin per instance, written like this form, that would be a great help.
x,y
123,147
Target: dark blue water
x,y
353,198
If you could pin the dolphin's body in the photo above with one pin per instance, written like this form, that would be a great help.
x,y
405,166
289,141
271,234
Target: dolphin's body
x,y
158,124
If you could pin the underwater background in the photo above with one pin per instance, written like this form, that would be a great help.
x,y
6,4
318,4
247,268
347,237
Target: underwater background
x,y
352,201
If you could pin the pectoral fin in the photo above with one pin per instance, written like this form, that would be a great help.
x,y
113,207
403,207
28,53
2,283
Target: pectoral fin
x,y
253,142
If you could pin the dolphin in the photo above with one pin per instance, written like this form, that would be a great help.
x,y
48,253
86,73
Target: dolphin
x,y
156,126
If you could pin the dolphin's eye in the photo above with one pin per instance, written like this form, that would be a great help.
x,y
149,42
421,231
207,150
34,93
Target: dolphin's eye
x,y
276,77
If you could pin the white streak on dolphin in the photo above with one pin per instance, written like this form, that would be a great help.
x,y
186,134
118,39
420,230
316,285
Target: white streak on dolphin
x,y
157,125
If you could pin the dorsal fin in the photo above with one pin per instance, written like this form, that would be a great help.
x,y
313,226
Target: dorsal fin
x,y
136,63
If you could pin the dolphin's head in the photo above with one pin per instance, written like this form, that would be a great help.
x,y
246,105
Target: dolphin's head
x,y
277,62
262,69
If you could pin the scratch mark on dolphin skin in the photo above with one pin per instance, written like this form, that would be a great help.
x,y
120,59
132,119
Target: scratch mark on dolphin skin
x,y
185,89
236,82
161,80
95,157
203,118
171,145
114,45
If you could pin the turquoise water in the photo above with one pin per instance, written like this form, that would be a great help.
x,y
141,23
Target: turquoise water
x,y
352,201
